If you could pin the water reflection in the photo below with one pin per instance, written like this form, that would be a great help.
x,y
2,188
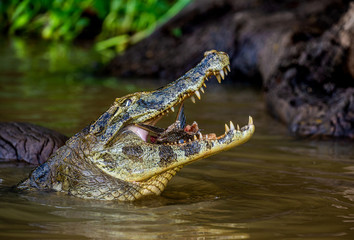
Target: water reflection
x,y
67,217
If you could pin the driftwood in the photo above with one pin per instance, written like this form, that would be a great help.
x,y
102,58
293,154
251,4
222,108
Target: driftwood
x,y
27,142
302,52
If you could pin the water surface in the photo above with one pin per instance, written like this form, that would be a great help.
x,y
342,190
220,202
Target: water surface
x,y
273,187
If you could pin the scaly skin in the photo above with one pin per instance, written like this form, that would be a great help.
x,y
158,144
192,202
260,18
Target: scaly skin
x,y
112,158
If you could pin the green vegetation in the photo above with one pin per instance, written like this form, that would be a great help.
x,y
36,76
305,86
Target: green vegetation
x,y
121,22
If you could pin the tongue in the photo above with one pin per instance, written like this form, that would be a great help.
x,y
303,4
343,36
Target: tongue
x,y
138,131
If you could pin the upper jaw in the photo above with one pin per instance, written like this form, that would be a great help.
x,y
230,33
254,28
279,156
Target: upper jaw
x,y
157,103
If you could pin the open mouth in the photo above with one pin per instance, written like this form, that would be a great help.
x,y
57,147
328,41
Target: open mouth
x,y
179,132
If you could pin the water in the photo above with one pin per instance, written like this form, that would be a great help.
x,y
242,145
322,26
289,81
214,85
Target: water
x,y
273,187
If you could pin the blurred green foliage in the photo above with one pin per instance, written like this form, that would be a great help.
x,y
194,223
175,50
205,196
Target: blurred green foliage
x,y
121,22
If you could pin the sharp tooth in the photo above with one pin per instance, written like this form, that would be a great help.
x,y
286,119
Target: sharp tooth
x,y
232,127
222,74
202,89
206,78
195,137
218,78
173,109
226,128
198,94
225,71
200,136
204,85
193,99
228,68
206,136
190,140
238,127
250,120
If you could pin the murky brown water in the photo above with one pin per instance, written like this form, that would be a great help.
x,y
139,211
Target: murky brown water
x,y
273,187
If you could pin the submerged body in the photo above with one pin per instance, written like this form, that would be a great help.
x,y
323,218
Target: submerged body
x,y
117,158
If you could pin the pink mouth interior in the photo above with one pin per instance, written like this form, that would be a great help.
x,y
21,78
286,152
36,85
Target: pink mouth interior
x,y
138,131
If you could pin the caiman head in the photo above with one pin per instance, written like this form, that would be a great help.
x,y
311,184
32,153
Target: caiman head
x,y
121,145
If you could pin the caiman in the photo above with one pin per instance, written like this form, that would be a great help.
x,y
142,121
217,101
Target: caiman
x,y
119,156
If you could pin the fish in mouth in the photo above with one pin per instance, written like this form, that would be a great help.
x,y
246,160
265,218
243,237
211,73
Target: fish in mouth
x,y
123,155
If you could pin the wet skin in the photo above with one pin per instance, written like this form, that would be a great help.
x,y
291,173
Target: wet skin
x,y
124,156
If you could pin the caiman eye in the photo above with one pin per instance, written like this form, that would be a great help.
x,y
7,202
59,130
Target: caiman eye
x,y
127,103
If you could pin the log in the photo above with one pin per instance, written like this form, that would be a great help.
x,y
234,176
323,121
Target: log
x,y
27,142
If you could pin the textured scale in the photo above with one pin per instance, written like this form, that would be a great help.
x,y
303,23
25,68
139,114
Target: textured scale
x,y
109,161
